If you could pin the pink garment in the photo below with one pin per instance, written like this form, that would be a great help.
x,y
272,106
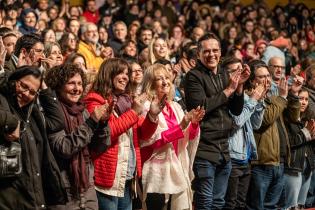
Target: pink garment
x,y
172,135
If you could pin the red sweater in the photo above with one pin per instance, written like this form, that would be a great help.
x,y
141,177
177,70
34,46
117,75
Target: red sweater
x,y
106,163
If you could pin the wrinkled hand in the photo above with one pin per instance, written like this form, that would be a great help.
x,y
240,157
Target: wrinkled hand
x,y
100,112
138,102
3,52
15,135
157,106
283,88
297,84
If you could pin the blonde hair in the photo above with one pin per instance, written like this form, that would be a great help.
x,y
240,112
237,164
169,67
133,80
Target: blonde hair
x,y
148,85
152,57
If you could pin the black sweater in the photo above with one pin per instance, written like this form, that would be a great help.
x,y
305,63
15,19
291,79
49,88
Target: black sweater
x,y
203,88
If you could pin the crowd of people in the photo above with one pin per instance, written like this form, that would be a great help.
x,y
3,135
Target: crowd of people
x,y
156,105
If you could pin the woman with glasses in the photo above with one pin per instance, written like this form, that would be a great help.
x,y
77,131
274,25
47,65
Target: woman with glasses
x,y
39,184
68,44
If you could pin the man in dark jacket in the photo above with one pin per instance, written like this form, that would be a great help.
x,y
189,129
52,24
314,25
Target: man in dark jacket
x,y
29,50
219,93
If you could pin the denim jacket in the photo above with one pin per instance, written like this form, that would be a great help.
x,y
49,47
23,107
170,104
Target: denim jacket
x,y
250,118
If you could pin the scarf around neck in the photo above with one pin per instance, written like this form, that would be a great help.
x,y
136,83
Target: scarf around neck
x,y
78,175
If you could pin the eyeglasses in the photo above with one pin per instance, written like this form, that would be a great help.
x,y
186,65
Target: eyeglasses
x,y
24,88
278,67
137,71
263,76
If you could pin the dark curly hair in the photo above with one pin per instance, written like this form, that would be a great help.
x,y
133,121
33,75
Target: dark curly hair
x,y
58,76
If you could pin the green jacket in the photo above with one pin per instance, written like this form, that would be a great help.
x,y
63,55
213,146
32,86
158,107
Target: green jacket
x,y
267,136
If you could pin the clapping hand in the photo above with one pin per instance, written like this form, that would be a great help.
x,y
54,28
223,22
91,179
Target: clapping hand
x,y
157,106
258,92
138,102
244,74
193,116
297,84
283,88
100,113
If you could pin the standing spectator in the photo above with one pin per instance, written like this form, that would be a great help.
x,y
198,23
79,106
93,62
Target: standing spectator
x,y
210,86
168,155
298,174
116,167
70,146
40,182
88,47
197,32
48,35
120,35
242,143
91,13
272,142
136,78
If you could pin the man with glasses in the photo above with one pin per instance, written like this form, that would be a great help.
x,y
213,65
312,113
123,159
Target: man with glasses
x,y
220,93
29,50
277,69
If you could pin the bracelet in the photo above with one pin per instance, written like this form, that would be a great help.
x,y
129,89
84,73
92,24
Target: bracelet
x,y
153,119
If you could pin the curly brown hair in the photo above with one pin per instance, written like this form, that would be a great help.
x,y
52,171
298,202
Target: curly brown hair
x,y
58,76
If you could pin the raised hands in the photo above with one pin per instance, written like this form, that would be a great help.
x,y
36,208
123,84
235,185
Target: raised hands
x,y
244,74
283,88
157,106
297,84
100,113
138,102
193,116
233,83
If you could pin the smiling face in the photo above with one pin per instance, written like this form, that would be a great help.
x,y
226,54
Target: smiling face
x,y
162,83
136,73
120,82
26,89
160,48
72,91
210,53
56,55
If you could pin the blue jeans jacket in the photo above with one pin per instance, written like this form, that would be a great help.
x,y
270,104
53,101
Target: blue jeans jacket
x,y
250,118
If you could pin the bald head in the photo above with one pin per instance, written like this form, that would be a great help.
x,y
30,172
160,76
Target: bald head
x,y
276,68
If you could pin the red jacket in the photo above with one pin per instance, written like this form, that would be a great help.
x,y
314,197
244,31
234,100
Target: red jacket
x,y
106,163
